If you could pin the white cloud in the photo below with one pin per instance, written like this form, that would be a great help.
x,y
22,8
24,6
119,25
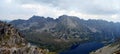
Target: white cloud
x,y
88,9
45,10
8,1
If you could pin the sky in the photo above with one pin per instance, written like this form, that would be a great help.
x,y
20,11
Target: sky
x,y
86,9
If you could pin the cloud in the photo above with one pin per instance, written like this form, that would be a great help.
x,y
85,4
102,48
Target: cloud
x,y
101,7
10,10
87,9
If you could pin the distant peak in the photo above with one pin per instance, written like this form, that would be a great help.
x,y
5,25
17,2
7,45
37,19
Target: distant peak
x,y
68,17
63,16
35,17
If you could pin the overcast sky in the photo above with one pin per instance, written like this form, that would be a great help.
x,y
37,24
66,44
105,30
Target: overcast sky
x,y
86,9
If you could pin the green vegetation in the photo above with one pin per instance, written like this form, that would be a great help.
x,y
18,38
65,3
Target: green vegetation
x,y
45,40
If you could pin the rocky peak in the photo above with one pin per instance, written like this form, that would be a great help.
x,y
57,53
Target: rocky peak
x,y
35,18
69,21
10,36
68,17
49,19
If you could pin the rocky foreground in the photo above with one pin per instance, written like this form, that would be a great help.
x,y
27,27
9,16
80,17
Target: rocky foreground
x,y
12,42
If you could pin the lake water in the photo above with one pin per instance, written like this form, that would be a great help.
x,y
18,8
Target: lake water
x,y
85,48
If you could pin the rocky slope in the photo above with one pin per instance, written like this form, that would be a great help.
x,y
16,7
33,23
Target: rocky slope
x,y
113,48
12,42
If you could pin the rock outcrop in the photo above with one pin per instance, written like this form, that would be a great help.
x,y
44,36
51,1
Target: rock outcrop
x,y
12,42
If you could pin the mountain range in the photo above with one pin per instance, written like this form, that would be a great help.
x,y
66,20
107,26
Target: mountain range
x,y
65,31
